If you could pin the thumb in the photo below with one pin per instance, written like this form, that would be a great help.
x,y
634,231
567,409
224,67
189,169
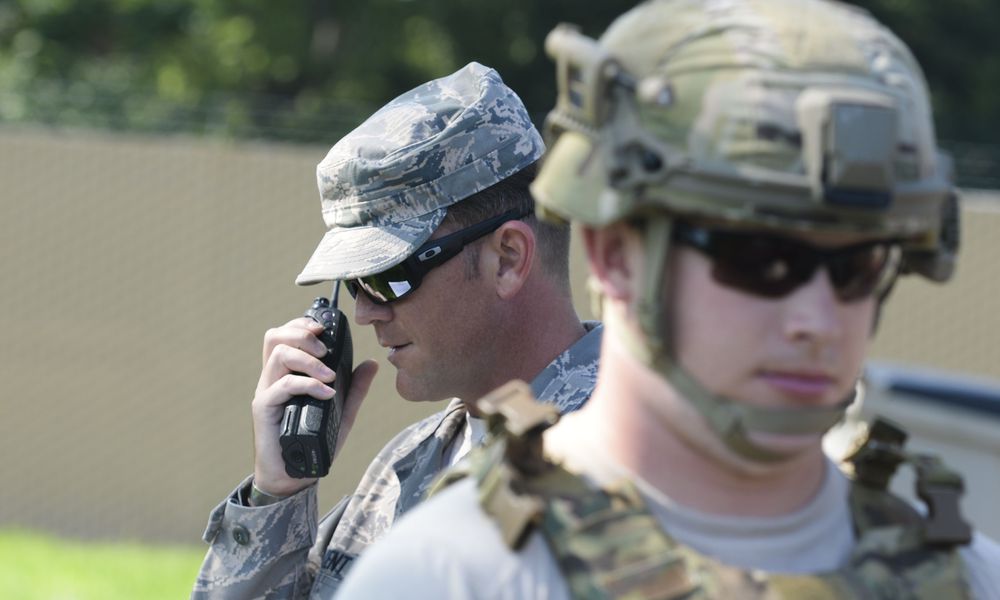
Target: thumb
x,y
361,382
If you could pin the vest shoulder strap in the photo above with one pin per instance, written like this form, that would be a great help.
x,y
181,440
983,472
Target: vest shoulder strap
x,y
512,450
606,542
871,465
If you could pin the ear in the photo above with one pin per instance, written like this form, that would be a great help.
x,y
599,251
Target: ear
x,y
513,253
608,253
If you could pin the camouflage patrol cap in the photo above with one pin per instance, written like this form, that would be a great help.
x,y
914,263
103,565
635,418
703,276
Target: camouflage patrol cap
x,y
385,187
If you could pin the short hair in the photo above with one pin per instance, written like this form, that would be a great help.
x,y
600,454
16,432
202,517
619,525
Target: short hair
x,y
509,194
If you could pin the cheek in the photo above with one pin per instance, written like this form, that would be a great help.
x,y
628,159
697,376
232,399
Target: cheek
x,y
716,331
859,321
457,318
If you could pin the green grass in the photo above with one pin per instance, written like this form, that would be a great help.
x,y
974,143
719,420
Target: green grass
x,y
39,567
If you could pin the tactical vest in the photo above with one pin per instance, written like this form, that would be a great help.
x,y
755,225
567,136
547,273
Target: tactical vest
x,y
608,544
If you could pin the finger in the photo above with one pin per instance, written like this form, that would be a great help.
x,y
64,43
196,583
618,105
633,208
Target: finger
x,y
361,382
288,386
287,359
298,333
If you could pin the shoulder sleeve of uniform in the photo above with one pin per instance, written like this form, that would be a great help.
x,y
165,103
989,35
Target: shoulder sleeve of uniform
x,y
258,550
568,381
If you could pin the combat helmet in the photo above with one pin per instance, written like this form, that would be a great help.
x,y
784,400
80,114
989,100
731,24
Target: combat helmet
x,y
798,115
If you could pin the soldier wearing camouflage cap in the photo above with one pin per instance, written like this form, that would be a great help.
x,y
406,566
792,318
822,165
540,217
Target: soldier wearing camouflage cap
x,y
751,176
431,226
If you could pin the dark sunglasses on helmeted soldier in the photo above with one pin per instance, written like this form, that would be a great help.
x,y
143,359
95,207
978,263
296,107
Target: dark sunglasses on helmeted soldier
x,y
773,266
401,280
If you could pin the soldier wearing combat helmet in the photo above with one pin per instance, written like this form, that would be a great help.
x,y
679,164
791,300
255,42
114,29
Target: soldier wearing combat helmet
x,y
751,176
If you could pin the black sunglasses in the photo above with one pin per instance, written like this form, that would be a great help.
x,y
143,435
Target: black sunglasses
x,y
772,266
399,281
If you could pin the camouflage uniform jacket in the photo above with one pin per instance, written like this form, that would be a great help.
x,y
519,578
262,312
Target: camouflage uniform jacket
x,y
279,550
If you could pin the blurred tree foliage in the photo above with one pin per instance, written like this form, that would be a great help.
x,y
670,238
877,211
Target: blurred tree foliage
x,y
298,69
311,69
958,46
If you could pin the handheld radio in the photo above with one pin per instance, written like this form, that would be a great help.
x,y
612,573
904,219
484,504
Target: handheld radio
x,y
310,427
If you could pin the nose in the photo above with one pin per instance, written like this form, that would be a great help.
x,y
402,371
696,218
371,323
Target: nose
x,y
813,311
367,312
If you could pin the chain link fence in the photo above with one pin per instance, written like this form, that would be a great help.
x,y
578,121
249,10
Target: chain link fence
x,y
309,118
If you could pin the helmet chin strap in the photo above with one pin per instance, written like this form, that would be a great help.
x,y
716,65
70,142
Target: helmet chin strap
x,y
732,421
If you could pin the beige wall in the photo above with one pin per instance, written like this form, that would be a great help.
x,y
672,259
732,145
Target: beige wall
x,y
139,275
955,326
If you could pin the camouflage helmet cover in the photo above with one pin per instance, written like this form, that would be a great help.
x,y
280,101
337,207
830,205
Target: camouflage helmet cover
x,y
795,114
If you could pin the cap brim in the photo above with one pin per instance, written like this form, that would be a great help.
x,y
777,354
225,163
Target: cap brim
x,y
350,252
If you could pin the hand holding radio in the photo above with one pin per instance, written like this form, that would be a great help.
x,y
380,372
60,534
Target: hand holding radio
x,y
303,411
309,427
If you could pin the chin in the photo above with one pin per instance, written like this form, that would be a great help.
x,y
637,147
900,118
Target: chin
x,y
414,393
406,390
792,445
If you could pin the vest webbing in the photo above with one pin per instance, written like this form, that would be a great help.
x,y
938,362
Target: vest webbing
x,y
609,545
